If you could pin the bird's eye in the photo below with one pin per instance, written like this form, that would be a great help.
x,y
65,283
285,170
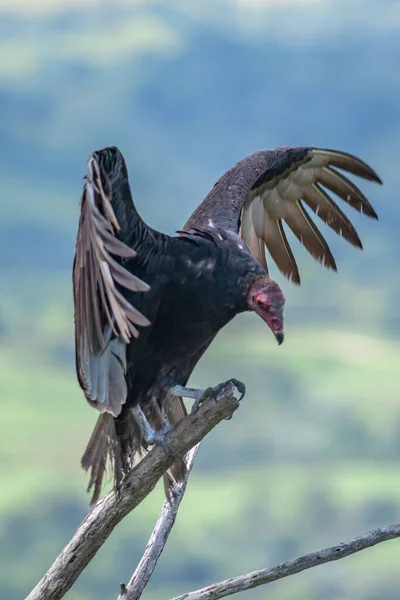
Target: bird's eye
x,y
264,305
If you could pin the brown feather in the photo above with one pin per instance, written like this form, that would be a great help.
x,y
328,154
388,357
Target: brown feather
x,y
279,248
306,231
278,179
257,221
349,163
174,410
250,238
323,206
96,273
345,189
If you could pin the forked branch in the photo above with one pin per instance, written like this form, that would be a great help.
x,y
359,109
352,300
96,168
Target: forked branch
x,y
110,510
134,589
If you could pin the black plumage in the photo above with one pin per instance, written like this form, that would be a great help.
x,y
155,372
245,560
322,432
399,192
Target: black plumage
x,y
148,305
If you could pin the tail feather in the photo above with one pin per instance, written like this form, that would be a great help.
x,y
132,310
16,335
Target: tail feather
x,y
102,445
118,442
114,442
174,411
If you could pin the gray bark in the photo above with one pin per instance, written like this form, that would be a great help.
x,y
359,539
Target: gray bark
x,y
158,538
111,509
291,567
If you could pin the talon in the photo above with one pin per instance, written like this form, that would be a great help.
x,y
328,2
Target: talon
x,y
158,438
198,402
209,393
150,435
241,388
216,392
164,446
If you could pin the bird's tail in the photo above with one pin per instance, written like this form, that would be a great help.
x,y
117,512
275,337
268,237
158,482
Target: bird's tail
x,y
115,442
119,442
98,451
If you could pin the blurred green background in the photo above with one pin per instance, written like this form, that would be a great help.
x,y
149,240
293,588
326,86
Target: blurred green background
x,y
185,89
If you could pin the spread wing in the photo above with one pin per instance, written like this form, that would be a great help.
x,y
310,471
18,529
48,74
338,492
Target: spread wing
x,y
271,187
104,319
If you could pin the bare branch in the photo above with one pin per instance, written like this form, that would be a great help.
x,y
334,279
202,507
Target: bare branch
x,y
158,538
110,510
291,567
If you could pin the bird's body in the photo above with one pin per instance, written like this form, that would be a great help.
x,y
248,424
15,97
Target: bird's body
x,y
189,303
148,305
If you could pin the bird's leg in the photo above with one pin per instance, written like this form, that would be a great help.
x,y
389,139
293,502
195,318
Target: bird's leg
x,y
216,392
199,396
150,435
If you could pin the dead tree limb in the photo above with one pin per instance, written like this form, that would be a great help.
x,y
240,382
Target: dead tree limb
x,y
291,567
158,538
110,510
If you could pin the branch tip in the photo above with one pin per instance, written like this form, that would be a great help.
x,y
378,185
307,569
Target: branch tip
x,y
122,590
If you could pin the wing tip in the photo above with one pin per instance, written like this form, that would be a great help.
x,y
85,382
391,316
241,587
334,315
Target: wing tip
x,y
332,266
295,279
360,167
377,179
358,243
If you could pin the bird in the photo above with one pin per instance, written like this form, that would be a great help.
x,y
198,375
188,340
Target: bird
x,y
147,305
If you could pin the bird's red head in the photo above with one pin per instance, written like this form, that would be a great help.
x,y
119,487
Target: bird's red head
x,y
265,297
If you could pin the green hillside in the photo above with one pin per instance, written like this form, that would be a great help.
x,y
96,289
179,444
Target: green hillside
x,y
185,90
317,464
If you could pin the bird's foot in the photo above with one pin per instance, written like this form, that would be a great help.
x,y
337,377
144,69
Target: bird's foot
x,y
231,386
152,436
158,437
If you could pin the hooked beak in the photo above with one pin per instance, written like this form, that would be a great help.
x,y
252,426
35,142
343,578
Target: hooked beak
x,y
274,320
267,301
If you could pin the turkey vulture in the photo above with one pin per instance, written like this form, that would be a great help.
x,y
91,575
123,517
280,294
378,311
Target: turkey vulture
x,y
148,305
